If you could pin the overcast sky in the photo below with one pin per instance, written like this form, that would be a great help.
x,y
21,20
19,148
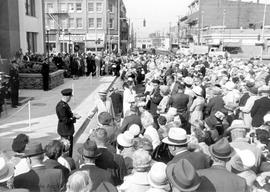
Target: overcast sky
x,y
157,13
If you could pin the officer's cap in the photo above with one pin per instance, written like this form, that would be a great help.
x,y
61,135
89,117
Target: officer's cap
x,y
66,92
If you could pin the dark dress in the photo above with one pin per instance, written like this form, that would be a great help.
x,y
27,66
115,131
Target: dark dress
x,y
14,86
45,70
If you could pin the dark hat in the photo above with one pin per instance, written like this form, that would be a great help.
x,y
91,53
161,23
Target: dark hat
x,y
33,149
156,81
105,118
183,176
66,92
19,143
221,149
89,149
162,120
106,187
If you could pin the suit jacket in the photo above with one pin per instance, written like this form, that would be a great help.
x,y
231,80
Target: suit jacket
x,y
117,102
215,104
114,163
155,100
40,179
179,101
259,109
66,119
97,175
223,180
53,164
130,120
198,159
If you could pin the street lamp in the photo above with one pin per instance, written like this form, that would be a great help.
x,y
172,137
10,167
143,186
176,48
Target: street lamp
x,y
69,51
48,43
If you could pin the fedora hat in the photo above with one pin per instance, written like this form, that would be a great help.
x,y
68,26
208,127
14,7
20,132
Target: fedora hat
x,y
183,176
33,149
176,136
157,175
125,139
221,149
89,149
6,170
134,129
238,124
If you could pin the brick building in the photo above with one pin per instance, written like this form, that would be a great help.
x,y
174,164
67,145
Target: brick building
x,y
91,24
228,22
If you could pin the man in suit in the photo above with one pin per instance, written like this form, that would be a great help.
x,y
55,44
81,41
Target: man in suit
x,y
154,99
216,103
172,84
14,83
39,178
261,106
108,160
66,118
132,118
90,153
219,176
177,140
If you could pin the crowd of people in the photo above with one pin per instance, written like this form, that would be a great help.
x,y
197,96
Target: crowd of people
x,y
180,123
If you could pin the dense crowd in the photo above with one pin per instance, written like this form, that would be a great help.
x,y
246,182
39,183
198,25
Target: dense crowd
x,y
180,123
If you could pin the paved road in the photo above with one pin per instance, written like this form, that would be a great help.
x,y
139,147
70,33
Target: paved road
x,y
44,120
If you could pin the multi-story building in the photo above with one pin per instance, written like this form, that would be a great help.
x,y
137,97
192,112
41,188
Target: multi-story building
x,y
91,24
227,23
21,26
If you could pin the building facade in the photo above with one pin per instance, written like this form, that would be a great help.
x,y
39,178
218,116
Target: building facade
x,y
21,26
90,24
223,22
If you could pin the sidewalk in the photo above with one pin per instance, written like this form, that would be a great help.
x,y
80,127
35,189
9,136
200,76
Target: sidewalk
x,y
44,120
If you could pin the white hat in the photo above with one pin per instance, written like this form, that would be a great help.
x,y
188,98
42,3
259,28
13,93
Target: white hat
x,y
266,118
197,90
125,139
134,129
229,85
6,170
176,136
157,175
188,80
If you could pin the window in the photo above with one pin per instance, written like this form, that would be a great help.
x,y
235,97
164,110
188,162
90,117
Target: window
x,y
99,23
99,7
63,23
50,23
79,23
30,7
71,23
49,7
31,41
78,7
111,23
111,7
91,23
63,7
90,7
71,7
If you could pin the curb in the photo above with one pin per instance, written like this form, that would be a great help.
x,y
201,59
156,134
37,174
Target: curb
x,y
87,121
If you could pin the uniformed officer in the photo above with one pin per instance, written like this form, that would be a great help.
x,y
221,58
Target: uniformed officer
x,y
66,118
14,83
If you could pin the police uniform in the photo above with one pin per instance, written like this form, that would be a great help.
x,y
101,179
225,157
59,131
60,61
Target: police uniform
x,y
14,85
66,120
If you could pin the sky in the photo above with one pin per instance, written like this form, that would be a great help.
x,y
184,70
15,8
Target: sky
x,y
157,13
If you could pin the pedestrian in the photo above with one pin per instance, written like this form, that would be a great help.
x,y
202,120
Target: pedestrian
x,y
14,83
66,118
45,71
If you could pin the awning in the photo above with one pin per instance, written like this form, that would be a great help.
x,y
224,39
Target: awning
x,y
232,44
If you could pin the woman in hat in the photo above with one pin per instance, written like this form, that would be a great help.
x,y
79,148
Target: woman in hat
x,y
164,103
197,105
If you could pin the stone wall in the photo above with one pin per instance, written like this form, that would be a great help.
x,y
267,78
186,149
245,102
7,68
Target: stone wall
x,y
34,80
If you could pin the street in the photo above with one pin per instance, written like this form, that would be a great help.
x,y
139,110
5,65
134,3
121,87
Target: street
x,y
43,118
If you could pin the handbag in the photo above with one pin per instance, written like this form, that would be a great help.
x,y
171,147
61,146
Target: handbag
x,y
162,153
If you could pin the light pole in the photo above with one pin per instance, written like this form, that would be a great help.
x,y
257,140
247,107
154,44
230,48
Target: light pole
x,y
69,43
119,28
263,27
223,28
201,28
48,44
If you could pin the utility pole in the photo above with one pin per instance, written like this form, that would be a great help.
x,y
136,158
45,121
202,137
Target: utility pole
x,y
223,28
201,30
95,27
178,31
119,27
263,27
